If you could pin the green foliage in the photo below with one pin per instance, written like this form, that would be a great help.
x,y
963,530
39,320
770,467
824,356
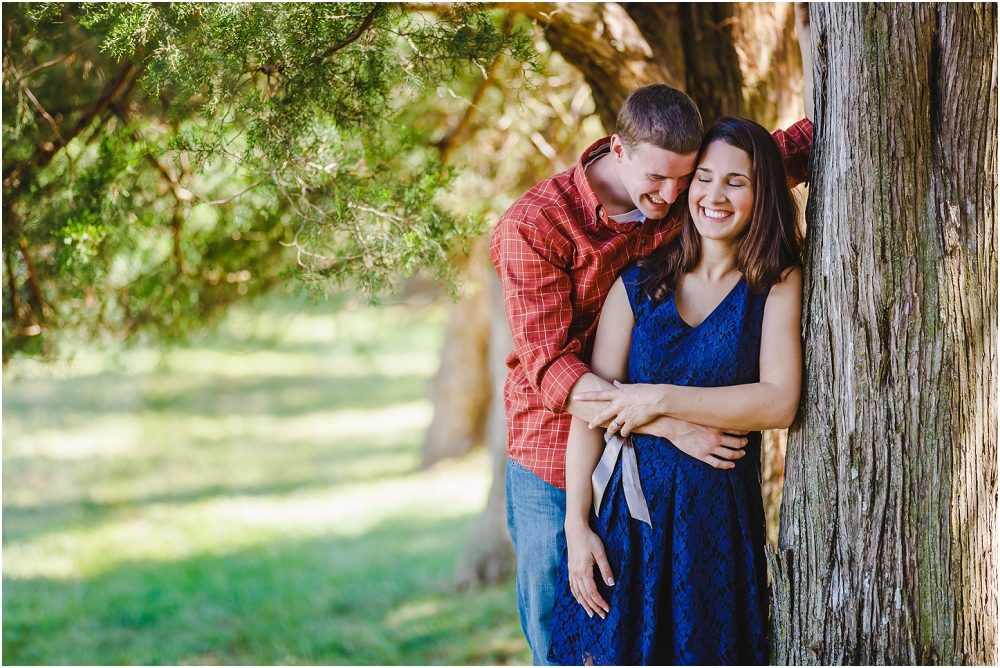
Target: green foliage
x,y
163,161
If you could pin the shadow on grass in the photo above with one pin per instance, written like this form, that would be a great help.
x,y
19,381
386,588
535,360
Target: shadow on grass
x,y
318,474
210,396
381,598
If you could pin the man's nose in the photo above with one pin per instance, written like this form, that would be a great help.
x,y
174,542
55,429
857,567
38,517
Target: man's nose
x,y
669,191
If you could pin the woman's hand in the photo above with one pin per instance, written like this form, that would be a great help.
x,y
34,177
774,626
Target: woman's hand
x,y
632,406
585,550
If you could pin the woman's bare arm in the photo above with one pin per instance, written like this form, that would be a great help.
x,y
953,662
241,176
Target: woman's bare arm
x,y
583,450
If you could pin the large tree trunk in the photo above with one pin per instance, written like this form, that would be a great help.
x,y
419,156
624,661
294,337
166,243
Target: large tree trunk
x,y
890,506
732,58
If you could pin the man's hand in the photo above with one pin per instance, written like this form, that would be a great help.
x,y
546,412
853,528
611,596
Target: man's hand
x,y
708,444
585,550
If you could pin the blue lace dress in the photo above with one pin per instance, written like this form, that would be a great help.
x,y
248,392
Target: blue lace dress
x,y
691,589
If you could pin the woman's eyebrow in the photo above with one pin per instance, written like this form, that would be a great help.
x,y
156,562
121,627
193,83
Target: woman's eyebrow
x,y
730,174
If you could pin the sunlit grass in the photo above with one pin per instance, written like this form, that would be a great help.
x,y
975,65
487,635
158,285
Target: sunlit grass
x,y
220,525
253,498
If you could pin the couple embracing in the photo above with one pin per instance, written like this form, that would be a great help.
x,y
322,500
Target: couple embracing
x,y
654,296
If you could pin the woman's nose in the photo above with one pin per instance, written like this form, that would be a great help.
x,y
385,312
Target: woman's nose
x,y
716,194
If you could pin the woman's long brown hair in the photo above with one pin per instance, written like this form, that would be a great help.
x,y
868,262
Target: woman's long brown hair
x,y
771,243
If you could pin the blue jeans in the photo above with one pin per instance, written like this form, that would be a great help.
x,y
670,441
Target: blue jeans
x,y
535,514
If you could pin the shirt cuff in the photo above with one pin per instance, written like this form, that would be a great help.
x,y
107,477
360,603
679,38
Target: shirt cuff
x,y
559,379
805,129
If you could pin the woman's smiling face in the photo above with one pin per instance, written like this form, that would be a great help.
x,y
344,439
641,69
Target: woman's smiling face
x,y
721,193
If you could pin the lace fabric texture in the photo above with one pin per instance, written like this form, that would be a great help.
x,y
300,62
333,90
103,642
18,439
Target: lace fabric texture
x,y
690,589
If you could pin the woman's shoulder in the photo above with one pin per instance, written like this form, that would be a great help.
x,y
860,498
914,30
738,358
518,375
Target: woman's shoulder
x,y
632,275
786,294
790,282
632,278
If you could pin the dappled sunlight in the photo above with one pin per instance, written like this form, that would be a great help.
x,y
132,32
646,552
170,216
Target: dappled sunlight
x,y
122,459
254,498
112,437
173,531
334,365
122,435
411,612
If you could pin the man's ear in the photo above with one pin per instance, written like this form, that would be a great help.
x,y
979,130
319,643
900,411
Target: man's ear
x,y
617,148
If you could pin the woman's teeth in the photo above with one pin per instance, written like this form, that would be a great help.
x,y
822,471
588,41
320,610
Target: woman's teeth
x,y
718,215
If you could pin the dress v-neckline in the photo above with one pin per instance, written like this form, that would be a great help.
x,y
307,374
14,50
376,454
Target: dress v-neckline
x,y
673,299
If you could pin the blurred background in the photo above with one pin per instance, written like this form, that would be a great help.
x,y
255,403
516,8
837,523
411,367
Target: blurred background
x,y
252,342
253,497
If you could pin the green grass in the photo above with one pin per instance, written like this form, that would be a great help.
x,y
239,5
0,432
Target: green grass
x,y
253,498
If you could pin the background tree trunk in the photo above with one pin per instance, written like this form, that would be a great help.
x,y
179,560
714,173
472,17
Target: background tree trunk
x,y
461,390
732,58
890,509
489,554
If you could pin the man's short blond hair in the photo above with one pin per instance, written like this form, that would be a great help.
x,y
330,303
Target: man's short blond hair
x,y
662,116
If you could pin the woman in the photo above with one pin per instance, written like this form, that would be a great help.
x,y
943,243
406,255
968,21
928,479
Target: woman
x,y
707,330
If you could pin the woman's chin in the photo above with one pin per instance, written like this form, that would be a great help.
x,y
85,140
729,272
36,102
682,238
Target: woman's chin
x,y
713,232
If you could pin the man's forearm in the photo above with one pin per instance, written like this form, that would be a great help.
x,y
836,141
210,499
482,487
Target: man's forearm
x,y
663,426
587,410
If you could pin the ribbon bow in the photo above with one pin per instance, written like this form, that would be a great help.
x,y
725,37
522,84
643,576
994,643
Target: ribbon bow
x,y
634,498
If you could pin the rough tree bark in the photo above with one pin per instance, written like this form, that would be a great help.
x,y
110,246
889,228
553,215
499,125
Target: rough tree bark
x,y
732,58
890,508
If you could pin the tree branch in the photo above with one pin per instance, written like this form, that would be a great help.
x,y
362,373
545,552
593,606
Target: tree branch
x,y
237,194
178,225
541,11
447,143
34,285
119,87
48,64
360,30
15,297
180,193
34,100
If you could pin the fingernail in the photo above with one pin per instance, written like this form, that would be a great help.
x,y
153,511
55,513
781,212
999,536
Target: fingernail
x,y
611,582
576,397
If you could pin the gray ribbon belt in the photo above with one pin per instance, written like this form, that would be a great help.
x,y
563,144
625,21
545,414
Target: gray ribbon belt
x,y
634,498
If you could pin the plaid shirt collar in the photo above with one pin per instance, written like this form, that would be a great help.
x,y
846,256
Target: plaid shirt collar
x,y
582,183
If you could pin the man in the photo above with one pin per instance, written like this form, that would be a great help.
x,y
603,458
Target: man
x,y
558,250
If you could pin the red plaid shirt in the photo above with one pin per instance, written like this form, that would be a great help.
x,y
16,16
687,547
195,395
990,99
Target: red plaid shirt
x,y
558,254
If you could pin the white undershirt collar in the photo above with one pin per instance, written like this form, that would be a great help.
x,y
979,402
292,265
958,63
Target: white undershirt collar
x,y
633,216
